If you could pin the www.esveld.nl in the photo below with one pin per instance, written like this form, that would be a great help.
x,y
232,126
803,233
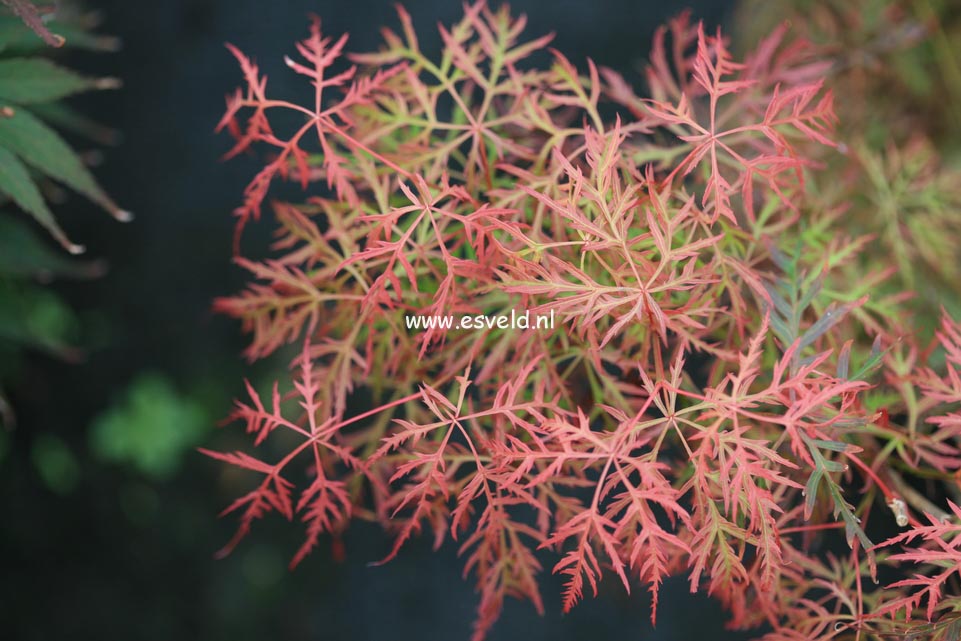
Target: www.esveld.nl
x,y
482,321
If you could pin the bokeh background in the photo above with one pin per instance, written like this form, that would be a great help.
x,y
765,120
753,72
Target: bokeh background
x,y
109,515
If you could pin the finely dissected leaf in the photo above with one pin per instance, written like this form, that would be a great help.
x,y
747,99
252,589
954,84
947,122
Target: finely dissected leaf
x,y
713,402
937,544
325,503
805,108
35,80
43,149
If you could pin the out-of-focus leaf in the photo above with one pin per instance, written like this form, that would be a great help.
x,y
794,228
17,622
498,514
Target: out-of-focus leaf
x,y
150,429
831,317
808,295
872,363
844,360
36,318
15,36
30,16
23,253
16,183
34,80
55,463
780,304
68,119
41,147
7,420
834,446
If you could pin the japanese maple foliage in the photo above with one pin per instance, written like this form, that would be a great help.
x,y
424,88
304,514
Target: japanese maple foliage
x,y
718,400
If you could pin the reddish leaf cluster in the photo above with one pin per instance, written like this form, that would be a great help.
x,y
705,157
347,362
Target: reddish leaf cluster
x,y
708,405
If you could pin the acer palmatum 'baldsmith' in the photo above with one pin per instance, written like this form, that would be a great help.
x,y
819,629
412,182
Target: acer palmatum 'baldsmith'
x,y
718,400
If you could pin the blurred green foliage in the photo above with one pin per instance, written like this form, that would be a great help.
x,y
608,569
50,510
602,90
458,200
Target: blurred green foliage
x,y
31,151
150,429
34,162
34,317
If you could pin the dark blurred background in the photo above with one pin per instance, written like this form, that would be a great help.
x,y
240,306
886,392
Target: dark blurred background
x,y
109,514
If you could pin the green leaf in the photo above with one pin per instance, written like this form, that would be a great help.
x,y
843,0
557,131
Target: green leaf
x,y
831,317
844,361
833,466
834,446
842,509
41,147
65,118
24,254
811,491
780,304
810,293
32,80
15,182
873,362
